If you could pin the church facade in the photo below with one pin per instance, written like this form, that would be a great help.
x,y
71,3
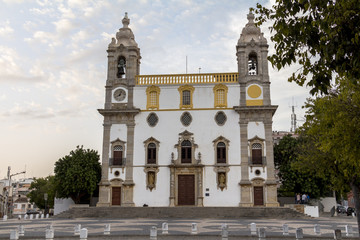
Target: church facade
x,y
188,139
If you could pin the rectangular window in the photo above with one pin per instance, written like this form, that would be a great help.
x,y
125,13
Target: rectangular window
x,y
117,158
256,156
151,155
220,97
186,155
186,97
153,99
221,155
23,206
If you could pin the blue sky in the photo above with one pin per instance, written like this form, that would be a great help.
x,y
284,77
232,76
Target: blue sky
x,y
53,66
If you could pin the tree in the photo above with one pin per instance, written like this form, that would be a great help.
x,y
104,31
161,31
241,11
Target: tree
x,y
295,180
77,174
333,125
38,188
323,37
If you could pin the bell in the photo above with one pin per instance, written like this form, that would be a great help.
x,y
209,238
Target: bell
x,y
120,72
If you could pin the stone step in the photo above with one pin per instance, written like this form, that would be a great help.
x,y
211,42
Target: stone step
x,y
182,212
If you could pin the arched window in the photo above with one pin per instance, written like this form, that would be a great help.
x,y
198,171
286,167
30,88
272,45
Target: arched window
x,y
253,64
151,151
220,95
153,98
186,151
221,153
152,93
256,153
117,155
121,67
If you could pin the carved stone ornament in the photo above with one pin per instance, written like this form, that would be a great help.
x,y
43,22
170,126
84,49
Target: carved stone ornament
x,y
221,177
151,177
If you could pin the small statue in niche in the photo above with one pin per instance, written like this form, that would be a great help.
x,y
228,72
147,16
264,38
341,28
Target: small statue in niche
x,y
151,180
222,180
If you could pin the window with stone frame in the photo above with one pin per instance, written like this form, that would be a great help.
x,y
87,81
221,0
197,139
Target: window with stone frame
x,y
151,151
186,154
117,155
256,153
152,95
221,153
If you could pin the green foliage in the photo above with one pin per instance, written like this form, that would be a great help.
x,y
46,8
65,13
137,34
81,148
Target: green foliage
x,y
38,188
293,179
321,36
77,174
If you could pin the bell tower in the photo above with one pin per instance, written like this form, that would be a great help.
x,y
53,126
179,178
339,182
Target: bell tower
x,y
255,108
119,110
123,65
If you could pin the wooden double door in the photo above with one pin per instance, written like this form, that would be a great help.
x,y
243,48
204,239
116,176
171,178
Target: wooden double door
x,y
186,190
258,196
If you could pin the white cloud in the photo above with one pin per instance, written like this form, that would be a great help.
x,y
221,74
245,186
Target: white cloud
x,y
41,11
29,26
64,26
6,29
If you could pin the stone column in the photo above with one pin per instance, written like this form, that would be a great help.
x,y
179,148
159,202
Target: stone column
x,y
128,189
104,185
172,187
245,184
242,94
271,185
200,197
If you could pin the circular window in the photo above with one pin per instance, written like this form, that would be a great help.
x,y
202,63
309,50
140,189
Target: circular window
x,y
117,173
220,118
186,119
257,172
152,119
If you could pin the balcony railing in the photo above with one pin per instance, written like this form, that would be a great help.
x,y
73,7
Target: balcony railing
x,y
117,162
172,79
257,162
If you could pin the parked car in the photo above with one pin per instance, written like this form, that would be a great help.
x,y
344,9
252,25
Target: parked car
x,y
350,211
341,209
32,211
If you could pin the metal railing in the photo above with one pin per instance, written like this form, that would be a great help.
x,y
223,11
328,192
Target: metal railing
x,y
200,78
251,162
117,161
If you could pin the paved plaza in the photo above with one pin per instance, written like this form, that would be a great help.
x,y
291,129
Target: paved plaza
x,y
178,228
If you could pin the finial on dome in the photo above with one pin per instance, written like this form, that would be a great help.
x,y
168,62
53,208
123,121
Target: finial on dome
x,y
126,20
251,16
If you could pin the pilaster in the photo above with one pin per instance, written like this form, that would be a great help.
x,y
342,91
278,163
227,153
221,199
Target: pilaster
x,y
104,185
245,184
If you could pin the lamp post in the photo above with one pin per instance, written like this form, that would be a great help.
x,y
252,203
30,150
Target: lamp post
x,y
46,198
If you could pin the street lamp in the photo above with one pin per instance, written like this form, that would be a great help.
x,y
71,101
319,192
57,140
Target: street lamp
x,y
46,198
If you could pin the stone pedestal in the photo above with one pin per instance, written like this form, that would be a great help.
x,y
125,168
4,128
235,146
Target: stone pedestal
x,y
245,188
104,195
128,190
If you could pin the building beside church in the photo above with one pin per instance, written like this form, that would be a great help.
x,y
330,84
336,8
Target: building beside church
x,y
188,139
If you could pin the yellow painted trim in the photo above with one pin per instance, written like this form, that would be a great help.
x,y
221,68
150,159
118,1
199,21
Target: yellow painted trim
x,y
254,102
254,91
193,109
181,90
216,91
149,104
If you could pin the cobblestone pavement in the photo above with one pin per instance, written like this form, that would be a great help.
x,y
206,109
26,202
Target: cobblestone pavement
x,y
209,227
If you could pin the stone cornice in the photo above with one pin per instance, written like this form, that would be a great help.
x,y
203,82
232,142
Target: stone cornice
x,y
111,112
255,109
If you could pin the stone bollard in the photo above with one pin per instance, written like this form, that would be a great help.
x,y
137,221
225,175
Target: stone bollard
x,y
21,230
49,226
349,230
194,229
317,229
83,234
31,217
25,217
337,234
14,234
77,229
19,217
42,216
261,233
37,216
165,228
253,229
49,233
107,229
299,233
5,218
47,215
285,230
224,231
153,233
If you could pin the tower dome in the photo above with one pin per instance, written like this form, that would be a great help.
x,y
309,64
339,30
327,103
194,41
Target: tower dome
x,y
125,36
251,32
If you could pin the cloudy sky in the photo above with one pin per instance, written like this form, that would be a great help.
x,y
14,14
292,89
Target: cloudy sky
x,y
53,65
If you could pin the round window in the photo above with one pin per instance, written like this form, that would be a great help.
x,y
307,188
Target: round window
x,y
220,118
186,119
152,119
117,173
257,172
